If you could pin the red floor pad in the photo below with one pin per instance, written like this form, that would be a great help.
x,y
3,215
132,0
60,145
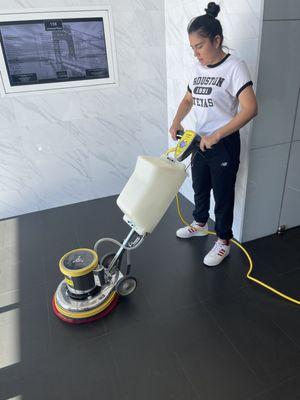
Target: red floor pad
x,y
77,321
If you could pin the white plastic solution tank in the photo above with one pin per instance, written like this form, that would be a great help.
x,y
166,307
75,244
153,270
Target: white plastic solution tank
x,y
149,191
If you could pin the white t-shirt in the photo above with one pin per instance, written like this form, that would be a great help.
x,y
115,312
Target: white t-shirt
x,y
215,90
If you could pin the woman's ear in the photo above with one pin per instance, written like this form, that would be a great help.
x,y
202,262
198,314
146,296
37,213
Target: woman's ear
x,y
217,41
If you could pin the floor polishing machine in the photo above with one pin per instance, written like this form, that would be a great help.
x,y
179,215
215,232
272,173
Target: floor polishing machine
x,y
92,283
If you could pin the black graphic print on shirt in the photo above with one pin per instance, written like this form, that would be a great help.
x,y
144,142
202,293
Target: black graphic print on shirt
x,y
205,89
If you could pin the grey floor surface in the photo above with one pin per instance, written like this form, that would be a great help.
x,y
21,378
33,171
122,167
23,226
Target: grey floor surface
x,y
187,333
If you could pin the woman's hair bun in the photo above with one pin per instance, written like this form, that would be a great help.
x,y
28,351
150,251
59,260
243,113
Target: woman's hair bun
x,y
212,9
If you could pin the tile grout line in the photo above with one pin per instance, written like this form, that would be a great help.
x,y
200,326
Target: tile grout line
x,y
265,391
115,364
276,386
235,348
186,375
286,334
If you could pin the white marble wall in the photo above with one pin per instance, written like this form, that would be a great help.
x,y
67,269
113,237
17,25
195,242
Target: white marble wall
x,y
64,148
241,21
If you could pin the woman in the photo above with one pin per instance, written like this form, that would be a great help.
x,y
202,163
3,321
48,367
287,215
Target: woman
x,y
221,94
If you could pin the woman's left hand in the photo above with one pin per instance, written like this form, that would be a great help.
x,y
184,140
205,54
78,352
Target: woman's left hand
x,y
207,142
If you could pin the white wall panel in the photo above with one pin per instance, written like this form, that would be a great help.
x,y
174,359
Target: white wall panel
x,y
296,135
264,192
278,83
64,148
290,213
278,9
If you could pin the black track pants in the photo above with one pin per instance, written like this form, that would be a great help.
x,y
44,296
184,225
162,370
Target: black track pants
x,y
216,169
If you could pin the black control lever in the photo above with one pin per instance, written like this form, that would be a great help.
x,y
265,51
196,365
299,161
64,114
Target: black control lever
x,y
179,134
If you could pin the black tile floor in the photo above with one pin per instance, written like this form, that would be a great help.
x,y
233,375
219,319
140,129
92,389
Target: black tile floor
x,y
187,333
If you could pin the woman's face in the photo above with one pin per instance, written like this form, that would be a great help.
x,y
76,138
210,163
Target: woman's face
x,y
206,51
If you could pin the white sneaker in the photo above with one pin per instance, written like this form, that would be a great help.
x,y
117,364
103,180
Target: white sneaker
x,y
191,231
216,254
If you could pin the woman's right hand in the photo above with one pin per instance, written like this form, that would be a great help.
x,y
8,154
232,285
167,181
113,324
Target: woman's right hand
x,y
174,128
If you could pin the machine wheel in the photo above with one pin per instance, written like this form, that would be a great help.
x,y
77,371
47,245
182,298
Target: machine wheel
x,y
107,258
126,285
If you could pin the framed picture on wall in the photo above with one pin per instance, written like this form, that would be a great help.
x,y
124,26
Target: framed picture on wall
x,y
53,50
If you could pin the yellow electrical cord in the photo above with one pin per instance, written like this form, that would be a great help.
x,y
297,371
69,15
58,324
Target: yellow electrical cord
x,y
251,278
248,257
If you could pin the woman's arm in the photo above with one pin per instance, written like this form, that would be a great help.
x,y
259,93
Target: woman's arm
x,y
248,110
183,110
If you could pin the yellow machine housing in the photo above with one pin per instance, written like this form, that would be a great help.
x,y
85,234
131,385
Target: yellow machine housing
x,y
185,145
